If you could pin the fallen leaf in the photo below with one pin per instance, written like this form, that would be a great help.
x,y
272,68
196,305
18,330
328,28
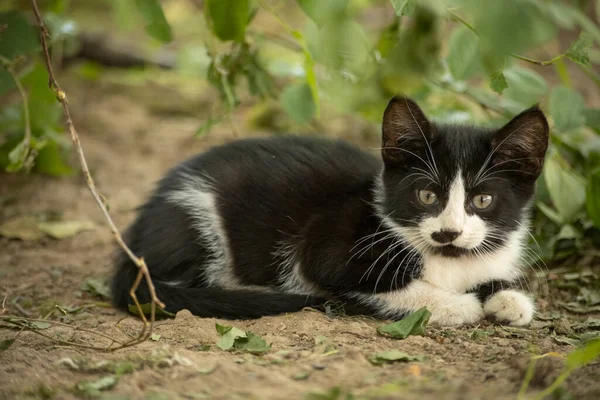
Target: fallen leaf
x,y
301,376
228,335
233,338
65,229
577,308
392,356
96,287
147,310
155,336
93,388
21,227
6,343
413,324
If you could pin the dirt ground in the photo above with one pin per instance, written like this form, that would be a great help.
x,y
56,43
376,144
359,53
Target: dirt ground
x,y
130,143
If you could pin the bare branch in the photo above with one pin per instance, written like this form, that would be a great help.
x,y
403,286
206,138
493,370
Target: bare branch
x,y
62,98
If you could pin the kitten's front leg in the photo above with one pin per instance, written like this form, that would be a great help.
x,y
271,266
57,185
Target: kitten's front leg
x,y
505,304
447,308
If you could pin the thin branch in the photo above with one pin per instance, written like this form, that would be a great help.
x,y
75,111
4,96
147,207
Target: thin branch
x,y
10,67
62,98
3,310
22,322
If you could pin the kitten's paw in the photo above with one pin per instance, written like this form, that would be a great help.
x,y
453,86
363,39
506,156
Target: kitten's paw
x,y
510,306
458,310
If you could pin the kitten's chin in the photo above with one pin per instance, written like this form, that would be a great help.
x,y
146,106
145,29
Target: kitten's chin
x,y
450,251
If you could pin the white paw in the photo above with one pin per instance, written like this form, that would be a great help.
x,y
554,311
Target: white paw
x,y
458,310
510,306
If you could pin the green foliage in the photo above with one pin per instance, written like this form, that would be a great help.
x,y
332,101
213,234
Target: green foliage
x,y
392,356
156,23
298,102
325,51
413,324
228,18
233,338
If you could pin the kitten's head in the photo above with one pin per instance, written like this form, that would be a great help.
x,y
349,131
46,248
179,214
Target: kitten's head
x,y
458,190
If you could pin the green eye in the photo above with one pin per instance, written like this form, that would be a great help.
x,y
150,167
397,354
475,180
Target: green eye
x,y
427,197
482,201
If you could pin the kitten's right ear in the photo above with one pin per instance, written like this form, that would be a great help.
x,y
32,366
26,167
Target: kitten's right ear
x,y
406,132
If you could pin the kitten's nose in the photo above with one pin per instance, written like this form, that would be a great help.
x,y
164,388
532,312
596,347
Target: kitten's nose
x,y
445,236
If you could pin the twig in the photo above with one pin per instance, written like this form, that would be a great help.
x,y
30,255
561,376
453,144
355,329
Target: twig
x,y
20,309
22,322
3,311
9,65
139,262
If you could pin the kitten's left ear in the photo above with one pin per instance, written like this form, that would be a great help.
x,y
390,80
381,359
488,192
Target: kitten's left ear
x,y
522,143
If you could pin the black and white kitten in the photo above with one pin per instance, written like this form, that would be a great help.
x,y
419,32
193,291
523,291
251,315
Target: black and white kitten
x,y
266,226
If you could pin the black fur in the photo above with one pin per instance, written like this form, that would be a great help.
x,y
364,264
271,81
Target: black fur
x,y
318,196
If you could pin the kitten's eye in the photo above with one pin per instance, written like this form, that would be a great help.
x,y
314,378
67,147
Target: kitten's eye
x,y
428,197
482,201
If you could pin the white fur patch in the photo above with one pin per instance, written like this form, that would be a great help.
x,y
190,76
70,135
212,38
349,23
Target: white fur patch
x,y
290,274
447,308
464,273
455,218
197,197
510,306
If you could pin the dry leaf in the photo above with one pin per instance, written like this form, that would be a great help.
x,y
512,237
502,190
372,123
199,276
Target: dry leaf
x,y
64,229
23,227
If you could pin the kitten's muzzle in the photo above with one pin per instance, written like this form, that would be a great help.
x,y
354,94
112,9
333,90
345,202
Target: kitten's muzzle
x,y
445,236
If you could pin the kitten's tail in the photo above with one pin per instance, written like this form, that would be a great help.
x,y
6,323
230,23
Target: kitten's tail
x,y
211,302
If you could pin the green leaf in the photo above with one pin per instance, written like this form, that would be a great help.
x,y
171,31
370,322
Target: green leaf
x,y
498,82
155,337
233,338
566,187
566,108
298,102
65,229
592,118
252,343
593,198
6,343
578,50
147,310
413,324
228,18
344,47
463,53
228,336
96,287
392,356
18,38
93,388
322,11
156,23
50,161
525,86
404,7
581,357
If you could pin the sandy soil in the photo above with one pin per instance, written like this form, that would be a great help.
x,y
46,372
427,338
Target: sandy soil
x,y
129,145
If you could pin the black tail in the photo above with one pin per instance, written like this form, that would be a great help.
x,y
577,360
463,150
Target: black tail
x,y
211,302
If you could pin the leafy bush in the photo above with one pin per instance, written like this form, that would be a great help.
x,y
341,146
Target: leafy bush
x,y
463,60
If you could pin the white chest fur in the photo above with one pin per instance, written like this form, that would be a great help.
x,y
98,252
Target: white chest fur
x,y
460,274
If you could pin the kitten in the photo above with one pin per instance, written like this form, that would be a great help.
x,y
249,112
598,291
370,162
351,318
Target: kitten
x,y
266,226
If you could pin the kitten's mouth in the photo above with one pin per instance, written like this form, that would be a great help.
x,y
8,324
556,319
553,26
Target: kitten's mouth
x,y
450,250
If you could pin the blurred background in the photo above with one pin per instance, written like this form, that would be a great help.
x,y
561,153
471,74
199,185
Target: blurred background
x,y
234,68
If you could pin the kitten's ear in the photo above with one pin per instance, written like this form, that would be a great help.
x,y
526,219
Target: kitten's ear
x,y
406,132
521,145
